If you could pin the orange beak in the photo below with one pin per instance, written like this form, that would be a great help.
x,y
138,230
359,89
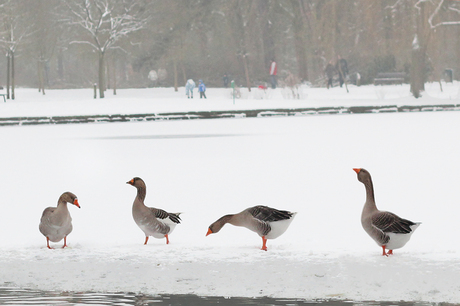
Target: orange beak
x,y
75,202
357,170
209,232
131,182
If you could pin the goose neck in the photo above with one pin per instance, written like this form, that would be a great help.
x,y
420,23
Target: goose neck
x,y
141,192
370,199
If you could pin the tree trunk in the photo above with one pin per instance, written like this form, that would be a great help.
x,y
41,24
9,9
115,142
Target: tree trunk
x,y
184,75
175,74
108,75
61,65
12,75
8,73
268,42
419,47
42,70
41,76
416,72
300,43
114,75
101,75
246,72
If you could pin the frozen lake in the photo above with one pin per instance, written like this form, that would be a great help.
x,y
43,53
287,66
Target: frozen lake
x,y
209,168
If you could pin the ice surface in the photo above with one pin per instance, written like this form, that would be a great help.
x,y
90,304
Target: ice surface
x,y
208,168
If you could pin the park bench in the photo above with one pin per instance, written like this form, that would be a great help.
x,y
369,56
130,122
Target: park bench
x,y
3,94
386,78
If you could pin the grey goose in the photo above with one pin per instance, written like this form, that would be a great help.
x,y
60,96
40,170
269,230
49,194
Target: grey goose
x,y
153,222
387,229
56,223
267,222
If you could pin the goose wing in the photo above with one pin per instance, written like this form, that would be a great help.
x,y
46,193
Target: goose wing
x,y
268,214
390,223
45,221
162,215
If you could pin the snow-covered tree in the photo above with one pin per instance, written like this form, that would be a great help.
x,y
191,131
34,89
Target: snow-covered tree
x,y
104,24
428,15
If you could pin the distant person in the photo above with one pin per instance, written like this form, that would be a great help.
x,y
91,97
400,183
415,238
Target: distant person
x,y
225,79
202,89
153,77
330,71
273,70
342,69
189,86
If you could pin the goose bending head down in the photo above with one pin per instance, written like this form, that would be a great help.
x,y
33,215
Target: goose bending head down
x,y
152,221
267,222
387,229
56,223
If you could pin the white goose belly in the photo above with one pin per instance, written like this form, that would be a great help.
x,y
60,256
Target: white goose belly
x,y
155,230
279,227
399,240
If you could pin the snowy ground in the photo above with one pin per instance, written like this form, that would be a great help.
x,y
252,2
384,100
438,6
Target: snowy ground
x,y
159,100
208,168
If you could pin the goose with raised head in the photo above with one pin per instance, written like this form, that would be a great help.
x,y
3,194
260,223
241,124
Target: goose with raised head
x,y
267,222
56,223
387,229
153,222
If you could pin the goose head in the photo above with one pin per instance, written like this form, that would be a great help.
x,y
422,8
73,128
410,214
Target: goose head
x,y
363,175
69,197
217,226
136,182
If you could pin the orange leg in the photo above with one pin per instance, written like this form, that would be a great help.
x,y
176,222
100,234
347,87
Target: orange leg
x,y
264,243
385,253
390,252
167,239
146,239
65,242
48,243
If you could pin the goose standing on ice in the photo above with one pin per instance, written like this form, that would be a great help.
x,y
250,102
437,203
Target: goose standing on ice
x,y
152,221
268,223
56,222
387,229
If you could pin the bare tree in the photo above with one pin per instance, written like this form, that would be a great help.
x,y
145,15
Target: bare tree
x,y
105,23
14,31
242,17
444,5
45,38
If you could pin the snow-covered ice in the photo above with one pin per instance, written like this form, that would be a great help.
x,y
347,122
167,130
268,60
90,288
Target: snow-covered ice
x,y
208,168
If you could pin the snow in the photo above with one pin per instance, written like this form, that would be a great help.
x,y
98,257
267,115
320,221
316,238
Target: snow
x,y
209,168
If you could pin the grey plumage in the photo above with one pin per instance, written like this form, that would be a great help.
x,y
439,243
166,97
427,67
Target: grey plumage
x,y
267,222
152,221
56,223
387,229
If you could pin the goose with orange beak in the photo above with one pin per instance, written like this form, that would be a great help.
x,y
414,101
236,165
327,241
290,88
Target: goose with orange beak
x,y
388,230
153,222
56,223
267,222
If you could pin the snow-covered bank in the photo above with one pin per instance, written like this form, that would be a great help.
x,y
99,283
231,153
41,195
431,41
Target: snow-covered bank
x,y
209,168
235,271
74,102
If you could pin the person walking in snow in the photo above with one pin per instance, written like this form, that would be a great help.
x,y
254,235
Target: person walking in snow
x,y
330,71
202,89
342,68
189,86
273,70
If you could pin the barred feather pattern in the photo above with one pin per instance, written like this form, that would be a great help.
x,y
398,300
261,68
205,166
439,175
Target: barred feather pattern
x,y
162,214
